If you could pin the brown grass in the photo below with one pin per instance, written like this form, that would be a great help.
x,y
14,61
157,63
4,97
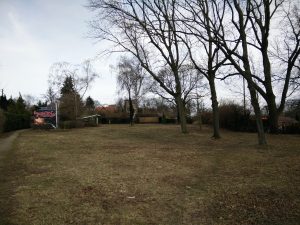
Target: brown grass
x,y
150,174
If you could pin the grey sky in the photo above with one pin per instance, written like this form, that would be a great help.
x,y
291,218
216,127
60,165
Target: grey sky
x,y
34,34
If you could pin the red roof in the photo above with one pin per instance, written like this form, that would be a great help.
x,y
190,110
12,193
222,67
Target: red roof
x,y
106,109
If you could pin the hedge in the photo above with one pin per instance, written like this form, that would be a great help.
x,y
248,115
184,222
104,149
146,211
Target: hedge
x,y
16,121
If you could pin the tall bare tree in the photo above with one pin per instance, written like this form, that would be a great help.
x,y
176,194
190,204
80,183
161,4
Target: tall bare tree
x,y
230,31
191,82
204,53
279,54
50,96
277,50
82,76
148,30
130,79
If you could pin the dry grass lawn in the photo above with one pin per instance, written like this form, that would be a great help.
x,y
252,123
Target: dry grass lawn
x,y
150,174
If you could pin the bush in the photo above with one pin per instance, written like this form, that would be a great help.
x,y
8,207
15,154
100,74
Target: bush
x,y
291,129
46,126
69,124
115,120
16,121
206,117
167,120
90,123
2,120
233,117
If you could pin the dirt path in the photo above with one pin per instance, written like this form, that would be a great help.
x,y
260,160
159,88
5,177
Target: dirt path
x,y
7,142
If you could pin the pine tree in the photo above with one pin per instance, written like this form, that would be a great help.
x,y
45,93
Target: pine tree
x,y
89,103
70,101
3,102
68,86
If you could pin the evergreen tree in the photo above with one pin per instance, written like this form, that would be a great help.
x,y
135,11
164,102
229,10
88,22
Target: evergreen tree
x,y
17,115
17,106
89,103
42,104
71,105
3,102
68,86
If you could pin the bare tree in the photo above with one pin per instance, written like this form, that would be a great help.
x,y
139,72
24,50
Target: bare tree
x,y
199,38
82,77
231,37
130,79
148,30
280,63
278,51
191,82
50,96
30,100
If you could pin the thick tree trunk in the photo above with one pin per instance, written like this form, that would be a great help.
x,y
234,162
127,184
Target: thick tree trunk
x,y
182,114
273,111
259,124
273,119
248,76
215,108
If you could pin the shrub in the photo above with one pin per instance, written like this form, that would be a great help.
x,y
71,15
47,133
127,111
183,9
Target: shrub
x,y
90,123
2,120
69,124
206,117
115,120
46,126
16,121
170,121
233,117
291,129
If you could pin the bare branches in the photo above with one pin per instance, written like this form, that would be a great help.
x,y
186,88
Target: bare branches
x,y
130,77
83,76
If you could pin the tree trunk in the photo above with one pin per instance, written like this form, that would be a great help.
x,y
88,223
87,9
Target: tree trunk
x,y
131,110
182,115
199,116
273,119
215,108
248,76
259,124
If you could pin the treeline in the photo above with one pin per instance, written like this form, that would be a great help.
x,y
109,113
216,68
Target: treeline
x,y
14,114
236,118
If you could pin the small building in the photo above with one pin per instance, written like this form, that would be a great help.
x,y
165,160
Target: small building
x,y
92,120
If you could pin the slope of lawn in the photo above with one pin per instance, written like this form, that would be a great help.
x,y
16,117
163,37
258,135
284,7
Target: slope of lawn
x,y
149,174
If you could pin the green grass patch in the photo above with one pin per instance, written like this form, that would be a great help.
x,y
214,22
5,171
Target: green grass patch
x,y
150,174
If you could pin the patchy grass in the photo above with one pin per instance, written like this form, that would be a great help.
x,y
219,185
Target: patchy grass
x,y
150,174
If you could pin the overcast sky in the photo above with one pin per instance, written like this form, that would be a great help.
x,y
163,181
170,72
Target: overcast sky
x,y
34,34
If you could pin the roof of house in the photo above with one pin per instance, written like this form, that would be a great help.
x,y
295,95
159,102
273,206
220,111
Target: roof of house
x,y
107,108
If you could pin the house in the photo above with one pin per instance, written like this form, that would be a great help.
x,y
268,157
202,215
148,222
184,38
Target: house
x,y
284,121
